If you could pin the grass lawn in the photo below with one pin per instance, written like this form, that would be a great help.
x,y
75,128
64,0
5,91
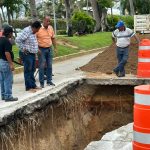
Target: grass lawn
x,y
85,42
89,41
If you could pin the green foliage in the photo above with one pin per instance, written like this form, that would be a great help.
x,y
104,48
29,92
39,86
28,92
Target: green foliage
x,y
61,32
61,24
112,21
90,41
82,21
20,23
140,6
105,3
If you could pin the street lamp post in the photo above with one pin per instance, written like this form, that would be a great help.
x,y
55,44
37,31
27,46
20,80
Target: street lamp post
x,y
87,6
54,17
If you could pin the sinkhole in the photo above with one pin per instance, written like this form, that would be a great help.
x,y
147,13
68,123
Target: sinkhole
x,y
72,121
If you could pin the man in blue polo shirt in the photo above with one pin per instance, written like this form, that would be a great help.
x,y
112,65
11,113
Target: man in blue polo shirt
x,y
122,36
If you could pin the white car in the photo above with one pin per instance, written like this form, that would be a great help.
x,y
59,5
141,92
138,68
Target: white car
x,y
18,31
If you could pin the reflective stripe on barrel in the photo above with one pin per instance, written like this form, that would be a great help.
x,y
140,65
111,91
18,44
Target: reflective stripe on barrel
x,y
144,47
142,99
143,59
141,137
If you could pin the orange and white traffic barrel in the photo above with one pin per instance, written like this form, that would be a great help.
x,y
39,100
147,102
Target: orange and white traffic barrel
x,y
143,70
141,126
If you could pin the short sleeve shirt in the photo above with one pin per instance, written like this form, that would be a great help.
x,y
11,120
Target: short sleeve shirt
x,y
45,36
5,46
123,37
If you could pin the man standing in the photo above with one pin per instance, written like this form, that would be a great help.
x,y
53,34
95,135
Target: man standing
x,y
6,65
46,39
122,37
28,45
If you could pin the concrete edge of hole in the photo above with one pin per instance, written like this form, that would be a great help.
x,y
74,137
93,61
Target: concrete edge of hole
x,y
30,104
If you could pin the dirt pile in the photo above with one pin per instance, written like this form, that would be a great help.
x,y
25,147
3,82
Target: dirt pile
x,y
106,61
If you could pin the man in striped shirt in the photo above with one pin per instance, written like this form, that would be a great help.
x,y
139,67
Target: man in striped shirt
x,y
28,45
122,36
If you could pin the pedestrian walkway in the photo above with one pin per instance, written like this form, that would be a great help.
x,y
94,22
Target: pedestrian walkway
x,y
63,72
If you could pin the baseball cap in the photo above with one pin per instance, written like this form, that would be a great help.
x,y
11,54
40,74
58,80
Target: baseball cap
x,y
119,24
7,30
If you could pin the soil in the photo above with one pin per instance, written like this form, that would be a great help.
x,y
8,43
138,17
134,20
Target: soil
x,y
106,61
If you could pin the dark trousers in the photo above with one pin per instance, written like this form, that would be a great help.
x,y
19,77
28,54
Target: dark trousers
x,y
45,63
29,69
122,56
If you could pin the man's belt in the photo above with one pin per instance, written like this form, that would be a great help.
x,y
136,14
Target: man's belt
x,y
44,47
123,47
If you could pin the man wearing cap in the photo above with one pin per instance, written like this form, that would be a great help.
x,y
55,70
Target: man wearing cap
x,y
6,65
122,37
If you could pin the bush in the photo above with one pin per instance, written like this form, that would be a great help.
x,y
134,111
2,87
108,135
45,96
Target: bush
x,y
82,22
61,32
60,24
112,21
20,23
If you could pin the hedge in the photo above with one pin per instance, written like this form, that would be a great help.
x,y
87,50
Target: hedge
x,y
113,19
60,23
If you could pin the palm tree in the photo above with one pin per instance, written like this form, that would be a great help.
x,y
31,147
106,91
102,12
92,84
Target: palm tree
x,y
96,14
68,17
132,12
33,10
1,4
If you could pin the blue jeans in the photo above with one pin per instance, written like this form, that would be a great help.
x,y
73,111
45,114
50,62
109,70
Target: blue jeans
x,y
6,79
122,56
45,62
29,69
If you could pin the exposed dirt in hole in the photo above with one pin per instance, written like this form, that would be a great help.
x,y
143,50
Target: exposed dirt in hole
x,y
106,61
84,115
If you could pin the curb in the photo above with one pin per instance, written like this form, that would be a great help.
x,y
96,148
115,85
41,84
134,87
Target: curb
x,y
66,57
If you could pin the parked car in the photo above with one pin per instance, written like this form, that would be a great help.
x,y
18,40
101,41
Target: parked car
x,y
17,31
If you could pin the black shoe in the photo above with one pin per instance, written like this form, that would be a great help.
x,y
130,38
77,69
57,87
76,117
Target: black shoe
x,y
2,98
50,83
11,99
42,85
116,72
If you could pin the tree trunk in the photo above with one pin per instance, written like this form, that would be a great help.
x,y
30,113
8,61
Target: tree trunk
x,y
68,17
0,21
4,19
132,12
96,14
8,15
33,10
104,20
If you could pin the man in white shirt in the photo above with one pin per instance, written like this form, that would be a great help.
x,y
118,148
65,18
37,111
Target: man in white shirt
x,y
122,36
